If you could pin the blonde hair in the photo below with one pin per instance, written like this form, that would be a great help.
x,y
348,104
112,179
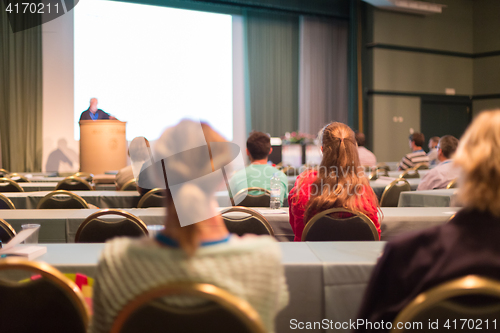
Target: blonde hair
x,y
188,236
478,154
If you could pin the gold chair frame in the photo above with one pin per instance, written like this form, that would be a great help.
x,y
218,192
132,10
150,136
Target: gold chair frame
x,y
468,285
55,276
7,227
11,182
407,172
85,175
391,185
421,166
249,189
21,177
7,201
63,192
75,179
452,184
128,184
104,212
316,217
149,194
249,211
238,307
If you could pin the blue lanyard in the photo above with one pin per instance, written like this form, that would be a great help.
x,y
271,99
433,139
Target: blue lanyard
x,y
173,243
446,162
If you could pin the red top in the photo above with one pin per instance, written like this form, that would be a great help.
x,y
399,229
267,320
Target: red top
x,y
299,197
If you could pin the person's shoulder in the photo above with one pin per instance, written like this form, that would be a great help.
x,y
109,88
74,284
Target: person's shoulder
x,y
242,245
408,244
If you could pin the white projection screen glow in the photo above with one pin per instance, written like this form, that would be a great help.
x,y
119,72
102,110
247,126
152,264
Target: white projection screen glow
x,y
153,66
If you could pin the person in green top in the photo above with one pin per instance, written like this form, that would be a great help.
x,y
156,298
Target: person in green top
x,y
258,173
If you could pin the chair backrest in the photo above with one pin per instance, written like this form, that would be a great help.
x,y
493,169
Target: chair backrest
x,y
421,166
253,197
96,230
85,175
6,231
221,313
251,223
390,197
131,185
6,203
3,172
410,173
18,178
154,198
339,224
64,200
472,297
8,185
378,173
73,183
452,184
52,303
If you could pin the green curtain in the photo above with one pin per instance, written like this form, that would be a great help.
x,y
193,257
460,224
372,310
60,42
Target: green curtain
x,y
20,97
271,72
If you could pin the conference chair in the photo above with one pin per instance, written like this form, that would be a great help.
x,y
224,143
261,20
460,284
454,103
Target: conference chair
x,y
222,312
3,172
8,185
421,166
410,173
390,196
131,185
253,197
375,174
6,231
52,303
339,224
383,166
452,184
6,203
464,304
249,221
85,175
96,230
61,199
18,178
291,171
154,198
73,183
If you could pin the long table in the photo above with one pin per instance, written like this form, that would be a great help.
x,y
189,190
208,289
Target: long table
x,y
60,226
429,198
101,199
325,280
51,186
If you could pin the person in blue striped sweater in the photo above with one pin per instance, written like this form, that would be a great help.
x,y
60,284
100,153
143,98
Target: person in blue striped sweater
x,y
417,155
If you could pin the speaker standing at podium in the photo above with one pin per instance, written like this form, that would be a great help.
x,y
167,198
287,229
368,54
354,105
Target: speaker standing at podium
x,y
93,113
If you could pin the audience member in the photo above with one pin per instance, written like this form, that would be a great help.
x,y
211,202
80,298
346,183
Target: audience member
x,y
468,244
259,172
339,182
93,113
138,151
445,171
248,267
417,155
366,157
433,154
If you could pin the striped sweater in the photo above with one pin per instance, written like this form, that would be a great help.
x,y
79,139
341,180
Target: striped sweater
x,y
248,267
412,159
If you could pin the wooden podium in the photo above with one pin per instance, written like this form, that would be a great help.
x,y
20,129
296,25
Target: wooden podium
x,y
103,145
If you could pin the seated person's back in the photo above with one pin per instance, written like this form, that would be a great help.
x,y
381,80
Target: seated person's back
x,y
259,172
340,182
195,246
366,157
442,174
468,244
417,155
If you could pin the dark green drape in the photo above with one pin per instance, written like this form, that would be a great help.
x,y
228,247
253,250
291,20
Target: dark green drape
x,y
272,71
20,97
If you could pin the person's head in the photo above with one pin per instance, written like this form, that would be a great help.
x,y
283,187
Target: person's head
x,y
417,141
433,142
258,146
447,146
360,139
340,181
93,105
478,155
192,153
